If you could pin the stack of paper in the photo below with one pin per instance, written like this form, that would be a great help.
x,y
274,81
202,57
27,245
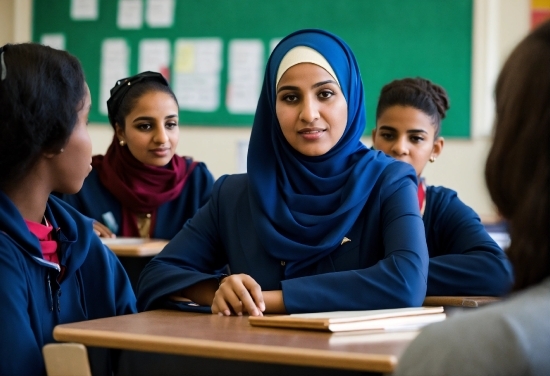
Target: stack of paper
x,y
397,319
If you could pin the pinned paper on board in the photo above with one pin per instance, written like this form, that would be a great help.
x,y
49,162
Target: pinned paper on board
x,y
160,13
56,41
273,43
196,75
84,10
246,59
130,14
115,57
154,55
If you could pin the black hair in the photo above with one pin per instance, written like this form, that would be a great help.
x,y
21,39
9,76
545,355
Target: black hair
x,y
41,92
419,93
127,92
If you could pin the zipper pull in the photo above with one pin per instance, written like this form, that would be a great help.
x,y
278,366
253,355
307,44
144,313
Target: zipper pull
x,y
59,299
50,291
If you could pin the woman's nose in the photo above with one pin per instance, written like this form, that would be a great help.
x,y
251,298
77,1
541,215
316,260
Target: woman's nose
x,y
309,111
160,136
399,147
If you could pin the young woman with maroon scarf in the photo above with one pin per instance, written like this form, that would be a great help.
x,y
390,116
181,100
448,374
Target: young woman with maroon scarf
x,y
464,259
140,187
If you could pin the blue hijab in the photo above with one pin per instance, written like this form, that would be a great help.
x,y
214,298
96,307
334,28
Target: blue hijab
x,y
304,206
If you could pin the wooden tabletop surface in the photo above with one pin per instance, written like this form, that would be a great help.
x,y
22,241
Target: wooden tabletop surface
x,y
207,335
460,301
135,247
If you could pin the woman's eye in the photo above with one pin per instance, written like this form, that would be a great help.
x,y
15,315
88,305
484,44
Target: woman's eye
x,y
290,98
417,139
171,125
143,127
386,136
326,94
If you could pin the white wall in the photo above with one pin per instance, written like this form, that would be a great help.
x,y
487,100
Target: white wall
x,y
498,26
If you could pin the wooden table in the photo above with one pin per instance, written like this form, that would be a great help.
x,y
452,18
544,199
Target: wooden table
x,y
134,247
460,301
213,336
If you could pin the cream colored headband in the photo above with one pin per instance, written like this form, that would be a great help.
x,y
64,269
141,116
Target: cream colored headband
x,y
303,54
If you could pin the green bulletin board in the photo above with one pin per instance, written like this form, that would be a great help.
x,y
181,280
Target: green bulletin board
x,y
391,39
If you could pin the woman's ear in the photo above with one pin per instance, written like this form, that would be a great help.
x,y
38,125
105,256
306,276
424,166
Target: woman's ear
x,y
438,147
120,134
50,155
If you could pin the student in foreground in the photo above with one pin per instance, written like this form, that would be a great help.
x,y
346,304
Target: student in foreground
x,y
319,222
53,267
140,187
464,259
511,337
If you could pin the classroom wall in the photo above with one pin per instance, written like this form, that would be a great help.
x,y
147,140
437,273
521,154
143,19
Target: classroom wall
x,y
498,27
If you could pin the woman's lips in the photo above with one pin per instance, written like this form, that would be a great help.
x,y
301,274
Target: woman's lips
x,y
311,134
161,152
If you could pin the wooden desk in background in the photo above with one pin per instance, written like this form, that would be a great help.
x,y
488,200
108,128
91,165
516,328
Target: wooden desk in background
x,y
213,336
135,247
134,253
459,301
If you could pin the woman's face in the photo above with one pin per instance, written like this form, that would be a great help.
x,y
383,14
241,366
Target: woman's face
x,y
407,134
311,109
73,164
151,129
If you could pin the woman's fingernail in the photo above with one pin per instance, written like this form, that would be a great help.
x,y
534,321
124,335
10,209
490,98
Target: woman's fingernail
x,y
220,314
227,313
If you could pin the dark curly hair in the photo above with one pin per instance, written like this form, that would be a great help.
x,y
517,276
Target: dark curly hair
x,y
517,171
419,93
41,92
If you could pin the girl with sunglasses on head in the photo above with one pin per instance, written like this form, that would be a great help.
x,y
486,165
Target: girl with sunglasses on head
x,y
53,268
464,259
318,223
140,187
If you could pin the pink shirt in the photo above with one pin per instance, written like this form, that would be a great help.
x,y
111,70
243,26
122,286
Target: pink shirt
x,y
44,235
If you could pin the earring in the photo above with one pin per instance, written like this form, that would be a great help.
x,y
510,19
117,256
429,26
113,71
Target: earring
x,y
62,150
122,143
432,159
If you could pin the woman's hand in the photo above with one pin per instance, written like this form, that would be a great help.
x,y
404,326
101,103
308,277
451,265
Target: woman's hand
x,y
103,231
238,293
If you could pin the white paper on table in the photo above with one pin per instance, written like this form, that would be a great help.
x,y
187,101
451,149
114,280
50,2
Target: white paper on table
x,y
196,71
56,41
159,13
84,9
130,14
246,59
115,57
154,55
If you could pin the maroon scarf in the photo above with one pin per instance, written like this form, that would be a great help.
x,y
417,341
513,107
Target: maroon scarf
x,y
138,187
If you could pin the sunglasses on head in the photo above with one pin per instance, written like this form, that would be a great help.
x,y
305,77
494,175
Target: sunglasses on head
x,y
123,85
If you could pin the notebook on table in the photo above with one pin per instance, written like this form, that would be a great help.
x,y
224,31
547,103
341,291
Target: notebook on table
x,y
397,319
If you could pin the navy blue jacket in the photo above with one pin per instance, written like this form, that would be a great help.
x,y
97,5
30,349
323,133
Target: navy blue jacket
x,y
383,266
95,201
32,301
464,259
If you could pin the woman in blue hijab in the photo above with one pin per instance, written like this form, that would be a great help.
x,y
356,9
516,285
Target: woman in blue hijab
x,y
319,222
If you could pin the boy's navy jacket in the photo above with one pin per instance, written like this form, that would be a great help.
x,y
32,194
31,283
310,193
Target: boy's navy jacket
x,y
36,295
